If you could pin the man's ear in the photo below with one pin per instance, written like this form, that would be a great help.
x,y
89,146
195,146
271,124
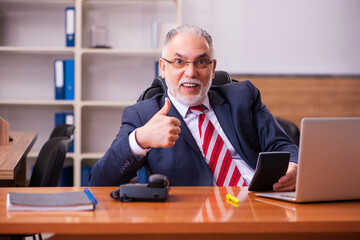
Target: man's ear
x,y
162,67
214,67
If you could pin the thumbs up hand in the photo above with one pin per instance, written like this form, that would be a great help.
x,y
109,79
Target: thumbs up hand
x,y
160,131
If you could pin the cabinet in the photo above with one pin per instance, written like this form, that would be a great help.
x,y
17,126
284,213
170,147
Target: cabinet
x,y
32,36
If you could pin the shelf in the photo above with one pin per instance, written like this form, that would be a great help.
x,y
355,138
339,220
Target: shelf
x,y
25,102
26,23
124,52
42,2
107,80
104,2
88,155
36,50
33,154
94,155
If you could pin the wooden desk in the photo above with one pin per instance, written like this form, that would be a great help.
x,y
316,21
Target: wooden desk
x,y
189,213
12,158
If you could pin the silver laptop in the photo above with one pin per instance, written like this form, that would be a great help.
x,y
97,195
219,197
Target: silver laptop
x,y
329,161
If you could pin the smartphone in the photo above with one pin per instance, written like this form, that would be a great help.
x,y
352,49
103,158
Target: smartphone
x,y
270,167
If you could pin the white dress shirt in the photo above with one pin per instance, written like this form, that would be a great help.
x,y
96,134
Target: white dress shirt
x,y
191,121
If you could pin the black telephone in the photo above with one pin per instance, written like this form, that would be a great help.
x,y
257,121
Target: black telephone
x,y
154,191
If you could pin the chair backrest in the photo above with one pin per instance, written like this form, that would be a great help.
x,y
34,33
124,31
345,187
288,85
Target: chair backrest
x,y
61,130
49,163
291,129
159,86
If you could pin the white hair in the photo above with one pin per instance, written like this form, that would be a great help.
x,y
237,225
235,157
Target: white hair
x,y
190,29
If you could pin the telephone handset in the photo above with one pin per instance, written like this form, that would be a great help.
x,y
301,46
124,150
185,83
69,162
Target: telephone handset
x,y
154,191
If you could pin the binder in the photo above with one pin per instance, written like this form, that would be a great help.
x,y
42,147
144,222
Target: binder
x,y
69,79
70,26
59,118
61,201
59,79
69,118
64,118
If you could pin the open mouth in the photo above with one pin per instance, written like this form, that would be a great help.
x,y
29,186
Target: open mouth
x,y
190,85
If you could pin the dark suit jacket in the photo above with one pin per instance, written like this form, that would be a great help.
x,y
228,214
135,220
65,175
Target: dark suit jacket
x,y
246,121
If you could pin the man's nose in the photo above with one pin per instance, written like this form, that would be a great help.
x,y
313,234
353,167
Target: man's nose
x,y
190,70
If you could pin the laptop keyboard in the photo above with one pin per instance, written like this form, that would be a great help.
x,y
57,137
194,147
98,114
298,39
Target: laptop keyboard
x,y
288,195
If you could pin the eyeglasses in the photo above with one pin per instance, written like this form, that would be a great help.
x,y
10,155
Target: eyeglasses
x,y
180,63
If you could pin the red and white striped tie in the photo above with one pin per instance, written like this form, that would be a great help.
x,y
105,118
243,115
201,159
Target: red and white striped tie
x,y
216,153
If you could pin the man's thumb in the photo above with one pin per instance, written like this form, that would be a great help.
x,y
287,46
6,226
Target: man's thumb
x,y
166,108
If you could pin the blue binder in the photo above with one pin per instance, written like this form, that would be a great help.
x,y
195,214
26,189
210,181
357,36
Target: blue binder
x,y
59,118
70,26
69,74
59,79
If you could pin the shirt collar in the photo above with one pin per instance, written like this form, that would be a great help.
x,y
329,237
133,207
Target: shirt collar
x,y
183,109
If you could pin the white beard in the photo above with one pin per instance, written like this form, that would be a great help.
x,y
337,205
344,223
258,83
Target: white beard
x,y
188,101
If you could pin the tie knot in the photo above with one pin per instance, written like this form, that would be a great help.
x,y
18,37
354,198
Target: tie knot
x,y
196,109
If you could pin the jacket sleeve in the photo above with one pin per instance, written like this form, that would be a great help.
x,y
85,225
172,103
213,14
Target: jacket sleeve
x,y
118,165
270,134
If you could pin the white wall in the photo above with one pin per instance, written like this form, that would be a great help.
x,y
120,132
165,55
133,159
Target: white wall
x,y
281,36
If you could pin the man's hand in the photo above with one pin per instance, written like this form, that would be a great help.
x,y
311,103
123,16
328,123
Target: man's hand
x,y
288,181
160,131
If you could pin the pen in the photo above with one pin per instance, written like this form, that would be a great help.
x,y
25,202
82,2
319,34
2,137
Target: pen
x,y
89,194
232,198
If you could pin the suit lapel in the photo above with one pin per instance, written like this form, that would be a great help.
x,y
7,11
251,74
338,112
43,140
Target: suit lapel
x,y
223,114
185,132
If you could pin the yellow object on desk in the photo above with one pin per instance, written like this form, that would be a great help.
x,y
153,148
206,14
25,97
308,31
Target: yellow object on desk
x,y
231,198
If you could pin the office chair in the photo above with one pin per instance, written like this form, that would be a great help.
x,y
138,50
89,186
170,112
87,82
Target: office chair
x,y
63,130
290,128
49,163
